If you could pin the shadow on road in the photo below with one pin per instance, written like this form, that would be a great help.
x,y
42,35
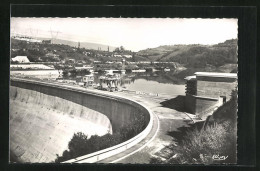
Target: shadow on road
x,y
181,131
170,150
175,103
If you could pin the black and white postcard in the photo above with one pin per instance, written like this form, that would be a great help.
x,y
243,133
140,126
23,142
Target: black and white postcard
x,y
124,90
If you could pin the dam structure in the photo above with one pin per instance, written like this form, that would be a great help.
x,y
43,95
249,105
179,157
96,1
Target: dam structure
x,y
206,91
44,116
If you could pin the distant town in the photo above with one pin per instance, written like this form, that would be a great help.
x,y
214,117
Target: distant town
x,y
71,59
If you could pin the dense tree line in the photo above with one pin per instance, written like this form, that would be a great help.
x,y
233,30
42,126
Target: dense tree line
x,y
201,56
196,56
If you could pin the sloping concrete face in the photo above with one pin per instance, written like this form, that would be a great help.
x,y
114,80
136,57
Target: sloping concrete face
x,y
43,119
41,125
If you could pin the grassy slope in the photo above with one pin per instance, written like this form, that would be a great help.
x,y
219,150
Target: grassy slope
x,y
195,55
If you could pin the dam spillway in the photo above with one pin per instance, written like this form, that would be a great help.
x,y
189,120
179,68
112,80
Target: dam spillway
x,y
43,118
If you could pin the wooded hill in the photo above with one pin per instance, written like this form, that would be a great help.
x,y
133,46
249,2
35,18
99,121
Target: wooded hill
x,y
194,55
38,52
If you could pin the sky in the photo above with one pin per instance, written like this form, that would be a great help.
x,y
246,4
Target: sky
x,y
133,33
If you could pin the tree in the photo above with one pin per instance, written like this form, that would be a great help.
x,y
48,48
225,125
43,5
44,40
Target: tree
x,y
116,50
122,49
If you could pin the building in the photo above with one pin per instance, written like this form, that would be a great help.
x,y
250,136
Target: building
x,y
46,41
111,80
118,56
206,91
27,39
21,59
71,61
127,56
51,55
84,67
88,80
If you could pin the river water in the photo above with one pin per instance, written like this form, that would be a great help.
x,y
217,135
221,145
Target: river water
x,y
147,82
158,82
155,87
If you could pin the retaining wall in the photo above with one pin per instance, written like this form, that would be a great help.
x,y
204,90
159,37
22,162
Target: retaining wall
x,y
198,104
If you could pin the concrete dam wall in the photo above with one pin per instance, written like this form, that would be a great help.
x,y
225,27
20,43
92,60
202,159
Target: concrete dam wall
x,y
43,118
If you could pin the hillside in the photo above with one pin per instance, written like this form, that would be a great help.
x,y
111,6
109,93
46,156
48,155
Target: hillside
x,y
38,52
58,51
221,57
86,45
194,55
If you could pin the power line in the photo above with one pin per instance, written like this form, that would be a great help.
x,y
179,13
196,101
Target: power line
x,y
34,34
54,34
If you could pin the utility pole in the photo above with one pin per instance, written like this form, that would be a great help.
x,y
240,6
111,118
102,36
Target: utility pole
x,y
123,63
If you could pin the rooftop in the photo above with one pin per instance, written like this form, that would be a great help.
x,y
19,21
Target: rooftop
x,y
190,77
216,74
89,75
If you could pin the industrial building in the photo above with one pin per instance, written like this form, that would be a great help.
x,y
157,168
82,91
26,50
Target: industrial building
x,y
206,91
21,59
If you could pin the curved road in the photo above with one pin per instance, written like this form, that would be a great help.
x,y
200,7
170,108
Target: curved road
x,y
168,120
165,120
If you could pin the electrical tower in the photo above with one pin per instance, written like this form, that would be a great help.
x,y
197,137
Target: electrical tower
x,y
54,35
34,32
